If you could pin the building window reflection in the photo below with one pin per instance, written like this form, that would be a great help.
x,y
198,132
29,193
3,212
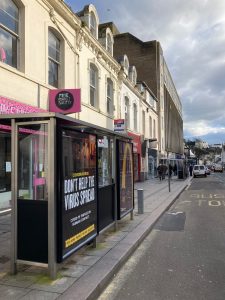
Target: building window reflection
x,y
53,59
105,147
9,32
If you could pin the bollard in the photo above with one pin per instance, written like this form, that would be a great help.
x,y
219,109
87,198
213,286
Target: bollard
x,y
140,197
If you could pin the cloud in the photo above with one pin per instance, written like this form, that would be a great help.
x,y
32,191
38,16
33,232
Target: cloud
x,y
192,37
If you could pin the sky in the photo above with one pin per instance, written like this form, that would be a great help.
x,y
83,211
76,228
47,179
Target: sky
x,y
192,36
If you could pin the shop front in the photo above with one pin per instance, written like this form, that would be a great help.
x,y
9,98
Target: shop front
x,y
8,106
69,181
136,141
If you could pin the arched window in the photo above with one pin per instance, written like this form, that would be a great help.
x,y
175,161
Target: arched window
x,y
93,85
93,24
9,32
126,65
133,74
53,59
127,112
109,96
135,116
109,43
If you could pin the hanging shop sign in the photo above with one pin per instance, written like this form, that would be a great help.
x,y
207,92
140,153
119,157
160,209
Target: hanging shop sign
x,y
119,125
78,201
8,106
125,178
65,101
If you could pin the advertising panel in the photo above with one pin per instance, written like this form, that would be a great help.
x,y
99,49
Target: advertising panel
x,y
8,106
119,125
78,201
125,178
65,101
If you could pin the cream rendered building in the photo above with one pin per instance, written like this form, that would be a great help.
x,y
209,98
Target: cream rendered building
x,y
139,109
43,25
45,46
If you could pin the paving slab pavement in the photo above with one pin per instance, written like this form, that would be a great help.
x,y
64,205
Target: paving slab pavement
x,y
86,273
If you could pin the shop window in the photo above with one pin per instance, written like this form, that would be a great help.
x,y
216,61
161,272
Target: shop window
x,y
109,96
93,86
135,116
105,149
5,166
9,32
53,59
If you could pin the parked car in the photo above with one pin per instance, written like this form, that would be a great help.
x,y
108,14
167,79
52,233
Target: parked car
x,y
218,168
199,170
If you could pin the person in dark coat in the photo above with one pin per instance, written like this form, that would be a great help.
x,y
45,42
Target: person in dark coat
x,y
170,170
190,170
160,172
175,169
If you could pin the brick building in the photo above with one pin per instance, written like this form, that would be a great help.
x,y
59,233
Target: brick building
x,y
152,69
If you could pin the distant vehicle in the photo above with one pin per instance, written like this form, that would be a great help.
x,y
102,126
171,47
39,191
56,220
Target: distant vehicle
x,y
218,168
208,171
199,170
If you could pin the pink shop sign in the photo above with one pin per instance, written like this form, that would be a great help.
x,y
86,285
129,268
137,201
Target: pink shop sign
x,y
8,106
65,101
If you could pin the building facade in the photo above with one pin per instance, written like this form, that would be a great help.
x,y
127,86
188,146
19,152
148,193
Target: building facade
x,y
45,46
152,69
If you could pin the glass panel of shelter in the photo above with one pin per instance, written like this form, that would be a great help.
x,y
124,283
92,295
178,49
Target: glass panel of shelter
x,y
33,162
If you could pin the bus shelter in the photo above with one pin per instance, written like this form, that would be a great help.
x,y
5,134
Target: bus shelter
x,y
69,181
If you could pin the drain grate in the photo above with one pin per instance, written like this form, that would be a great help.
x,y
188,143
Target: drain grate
x,y
3,259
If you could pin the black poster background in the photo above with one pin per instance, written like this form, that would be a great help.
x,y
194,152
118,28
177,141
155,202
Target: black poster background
x,y
126,178
78,217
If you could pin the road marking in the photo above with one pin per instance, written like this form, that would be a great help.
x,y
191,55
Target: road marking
x,y
212,203
207,196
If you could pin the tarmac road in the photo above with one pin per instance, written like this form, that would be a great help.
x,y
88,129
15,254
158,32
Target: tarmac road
x,y
184,255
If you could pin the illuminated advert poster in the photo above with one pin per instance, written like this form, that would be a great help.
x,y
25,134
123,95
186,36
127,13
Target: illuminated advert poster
x,y
78,201
125,178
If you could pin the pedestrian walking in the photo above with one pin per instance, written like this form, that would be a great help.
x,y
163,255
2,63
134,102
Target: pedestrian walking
x,y
170,170
190,170
175,169
160,172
